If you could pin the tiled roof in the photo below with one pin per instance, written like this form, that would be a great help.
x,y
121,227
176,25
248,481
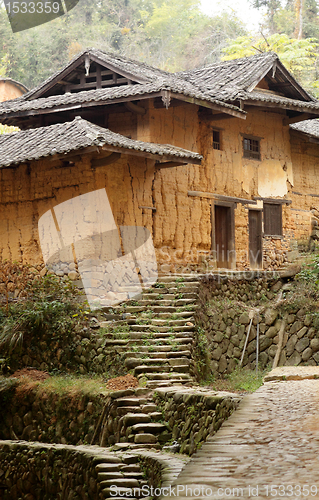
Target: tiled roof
x,y
226,80
141,71
34,144
310,127
109,94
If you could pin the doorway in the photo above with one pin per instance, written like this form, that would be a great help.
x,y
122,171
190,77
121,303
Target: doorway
x,y
255,239
223,244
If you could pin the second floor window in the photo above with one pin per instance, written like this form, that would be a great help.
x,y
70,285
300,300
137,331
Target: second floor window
x,y
216,139
251,148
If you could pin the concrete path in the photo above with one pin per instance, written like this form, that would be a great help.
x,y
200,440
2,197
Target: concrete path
x,y
268,449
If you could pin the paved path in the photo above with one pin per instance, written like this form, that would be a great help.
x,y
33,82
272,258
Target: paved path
x,y
272,439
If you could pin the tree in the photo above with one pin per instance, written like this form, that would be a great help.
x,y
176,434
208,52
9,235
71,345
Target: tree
x,y
299,56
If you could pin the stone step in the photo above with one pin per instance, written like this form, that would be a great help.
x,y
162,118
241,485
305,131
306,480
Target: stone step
x,y
182,368
147,335
149,408
177,315
105,476
130,468
162,329
135,418
107,492
124,410
123,482
106,467
152,428
150,369
167,376
159,354
173,277
128,401
132,363
172,322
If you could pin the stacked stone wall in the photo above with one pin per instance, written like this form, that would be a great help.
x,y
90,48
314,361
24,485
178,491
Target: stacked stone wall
x,y
228,305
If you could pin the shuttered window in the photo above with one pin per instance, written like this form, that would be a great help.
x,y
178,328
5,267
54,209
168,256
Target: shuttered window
x,y
272,219
251,148
216,139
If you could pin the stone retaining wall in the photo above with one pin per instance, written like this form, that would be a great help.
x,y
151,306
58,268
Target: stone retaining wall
x,y
49,417
193,414
34,471
226,309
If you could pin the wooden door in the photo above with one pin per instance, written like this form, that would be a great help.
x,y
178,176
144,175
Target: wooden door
x,y
222,235
255,239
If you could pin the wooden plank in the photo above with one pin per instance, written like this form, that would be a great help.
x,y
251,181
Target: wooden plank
x,y
98,77
103,83
135,108
106,160
270,105
295,119
277,201
207,104
221,197
170,164
145,154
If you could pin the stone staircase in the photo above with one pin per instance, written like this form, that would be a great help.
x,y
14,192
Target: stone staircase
x,y
119,475
155,332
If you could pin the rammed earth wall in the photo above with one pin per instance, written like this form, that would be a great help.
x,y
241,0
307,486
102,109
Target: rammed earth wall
x,y
227,305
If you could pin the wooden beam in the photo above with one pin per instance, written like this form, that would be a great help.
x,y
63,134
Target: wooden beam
x,y
281,105
106,160
145,154
207,104
170,164
98,77
72,154
274,201
217,117
135,108
295,119
221,197
148,208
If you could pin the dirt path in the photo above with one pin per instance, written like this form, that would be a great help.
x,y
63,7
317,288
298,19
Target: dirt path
x,y
268,449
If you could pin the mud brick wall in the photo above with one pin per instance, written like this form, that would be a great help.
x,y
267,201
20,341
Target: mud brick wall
x,y
181,225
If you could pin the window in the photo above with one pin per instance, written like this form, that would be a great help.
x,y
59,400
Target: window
x,y
272,219
251,148
216,139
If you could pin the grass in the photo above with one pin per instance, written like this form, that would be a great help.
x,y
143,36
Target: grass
x,y
240,380
72,385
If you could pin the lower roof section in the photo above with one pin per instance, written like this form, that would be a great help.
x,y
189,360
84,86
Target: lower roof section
x,y
77,135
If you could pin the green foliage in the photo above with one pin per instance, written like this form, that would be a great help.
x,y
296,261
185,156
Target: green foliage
x,y
242,379
299,56
50,311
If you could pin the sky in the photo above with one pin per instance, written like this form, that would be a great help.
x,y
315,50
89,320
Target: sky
x,y
252,17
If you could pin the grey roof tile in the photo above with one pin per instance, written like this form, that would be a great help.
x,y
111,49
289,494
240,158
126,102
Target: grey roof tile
x,y
309,127
34,144
105,95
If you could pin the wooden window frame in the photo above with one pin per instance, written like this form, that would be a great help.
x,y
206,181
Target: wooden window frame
x,y
253,151
217,143
272,221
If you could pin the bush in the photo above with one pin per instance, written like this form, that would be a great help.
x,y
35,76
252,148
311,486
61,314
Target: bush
x,y
51,310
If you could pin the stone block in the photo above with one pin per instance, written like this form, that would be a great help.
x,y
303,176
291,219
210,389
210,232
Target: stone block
x,y
307,353
302,332
271,332
244,319
302,344
294,359
314,344
296,327
270,316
